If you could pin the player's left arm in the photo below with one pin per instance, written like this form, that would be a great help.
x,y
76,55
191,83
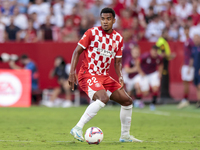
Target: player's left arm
x,y
118,69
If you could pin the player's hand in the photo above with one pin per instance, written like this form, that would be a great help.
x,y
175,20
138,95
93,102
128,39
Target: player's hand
x,y
121,81
72,80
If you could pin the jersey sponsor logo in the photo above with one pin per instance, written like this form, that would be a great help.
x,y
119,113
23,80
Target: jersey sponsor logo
x,y
104,52
10,89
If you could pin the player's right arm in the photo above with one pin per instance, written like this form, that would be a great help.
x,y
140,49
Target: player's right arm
x,y
75,57
82,45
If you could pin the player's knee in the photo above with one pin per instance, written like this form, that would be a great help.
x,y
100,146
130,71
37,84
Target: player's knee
x,y
128,101
104,98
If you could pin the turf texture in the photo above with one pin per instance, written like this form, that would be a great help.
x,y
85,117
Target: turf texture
x,y
41,128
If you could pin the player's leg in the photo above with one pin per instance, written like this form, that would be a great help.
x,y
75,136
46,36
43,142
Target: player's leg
x,y
95,90
121,97
154,83
186,77
141,87
198,91
100,99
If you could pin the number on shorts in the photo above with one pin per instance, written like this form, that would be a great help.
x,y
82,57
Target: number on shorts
x,y
90,82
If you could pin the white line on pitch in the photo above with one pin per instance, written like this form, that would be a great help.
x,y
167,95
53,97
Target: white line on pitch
x,y
102,141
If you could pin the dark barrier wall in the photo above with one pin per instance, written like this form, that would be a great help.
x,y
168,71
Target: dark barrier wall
x,y
44,53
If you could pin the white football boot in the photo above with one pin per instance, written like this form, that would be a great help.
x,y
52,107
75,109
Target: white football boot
x,y
129,138
77,133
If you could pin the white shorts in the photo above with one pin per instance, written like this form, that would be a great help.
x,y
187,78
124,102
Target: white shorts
x,y
150,80
142,81
184,73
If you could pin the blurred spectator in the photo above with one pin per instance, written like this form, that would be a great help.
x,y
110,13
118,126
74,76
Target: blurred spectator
x,y
41,8
46,32
7,8
149,15
144,4
128,45
12,32
95,10
36,23
173,32
150,66
61,71
117,6
134,82
23,5
20,20
195,62
126,19
75,18
62,8
30,65
183,6
84,26
138,31
30,33
68,33
56,19
195,14
187,72
154,29
165,52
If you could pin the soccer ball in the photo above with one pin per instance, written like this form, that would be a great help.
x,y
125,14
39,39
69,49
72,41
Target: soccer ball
x,y
93,135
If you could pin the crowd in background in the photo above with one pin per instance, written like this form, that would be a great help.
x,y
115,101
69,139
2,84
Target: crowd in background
x,y
67,20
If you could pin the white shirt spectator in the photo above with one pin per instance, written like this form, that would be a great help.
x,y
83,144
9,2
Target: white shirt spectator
x,y
2,30
58,10
57,20
194,30
42,10
5,20
21,21
144,4
183,12
182,35
154,30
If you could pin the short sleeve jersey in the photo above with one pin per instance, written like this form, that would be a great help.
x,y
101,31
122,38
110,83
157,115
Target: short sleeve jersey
x,y
130,63
149,64
188,50
100,48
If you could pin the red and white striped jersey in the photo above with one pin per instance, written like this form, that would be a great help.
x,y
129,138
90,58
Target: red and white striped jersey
x,y
100,48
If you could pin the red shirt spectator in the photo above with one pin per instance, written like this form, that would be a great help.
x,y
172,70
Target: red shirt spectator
x,y
76,18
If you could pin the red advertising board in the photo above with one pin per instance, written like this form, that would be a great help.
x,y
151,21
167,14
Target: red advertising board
x,y
15,88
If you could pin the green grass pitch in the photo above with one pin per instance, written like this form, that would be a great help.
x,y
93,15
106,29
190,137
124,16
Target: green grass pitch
x,y
41,128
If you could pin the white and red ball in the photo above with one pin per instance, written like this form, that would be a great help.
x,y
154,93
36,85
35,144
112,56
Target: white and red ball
x,y
93,135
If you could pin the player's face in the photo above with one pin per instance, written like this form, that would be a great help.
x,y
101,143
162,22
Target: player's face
x,y
196,40
107,21
135,52
154,53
